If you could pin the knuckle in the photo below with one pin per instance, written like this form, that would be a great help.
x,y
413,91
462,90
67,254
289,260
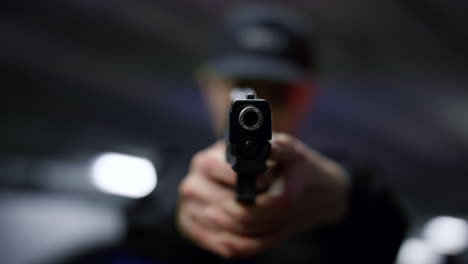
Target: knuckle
x,y
198,159
186,188
288,140
283,138
214,216
209,159
243,217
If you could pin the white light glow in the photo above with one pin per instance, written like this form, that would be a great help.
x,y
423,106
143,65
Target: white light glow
x,y
447,235
123,175
417,251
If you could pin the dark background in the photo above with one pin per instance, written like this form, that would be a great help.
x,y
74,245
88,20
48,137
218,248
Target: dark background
x,y
79,77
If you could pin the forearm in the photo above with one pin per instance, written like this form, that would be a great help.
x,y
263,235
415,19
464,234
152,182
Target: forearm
x,y
372,230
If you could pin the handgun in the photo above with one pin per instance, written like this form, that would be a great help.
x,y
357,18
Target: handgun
x,y
248,142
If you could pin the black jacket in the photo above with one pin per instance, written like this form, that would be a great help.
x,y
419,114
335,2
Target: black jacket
x,y
371,233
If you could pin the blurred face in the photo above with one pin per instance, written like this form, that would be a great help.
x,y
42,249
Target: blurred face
x,y
289,101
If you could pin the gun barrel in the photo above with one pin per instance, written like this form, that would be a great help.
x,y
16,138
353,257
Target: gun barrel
x,y
248,146
250,118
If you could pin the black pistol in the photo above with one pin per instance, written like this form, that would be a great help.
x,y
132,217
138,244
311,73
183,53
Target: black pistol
x,y
248,143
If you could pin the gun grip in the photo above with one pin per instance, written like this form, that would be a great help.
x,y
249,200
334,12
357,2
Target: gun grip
x,y
246,188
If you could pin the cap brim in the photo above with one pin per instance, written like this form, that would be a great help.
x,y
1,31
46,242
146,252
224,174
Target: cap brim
x,y
256,67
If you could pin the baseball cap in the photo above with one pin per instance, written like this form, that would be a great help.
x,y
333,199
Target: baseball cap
x,y
263,43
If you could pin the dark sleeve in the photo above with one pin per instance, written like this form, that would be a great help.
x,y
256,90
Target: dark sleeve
x,y
373,229
162,242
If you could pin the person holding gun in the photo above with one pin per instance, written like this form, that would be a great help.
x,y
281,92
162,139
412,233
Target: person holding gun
x,y
328,211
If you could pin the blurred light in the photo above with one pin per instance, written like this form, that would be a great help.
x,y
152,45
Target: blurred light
x,y
418,251
123,175
447,235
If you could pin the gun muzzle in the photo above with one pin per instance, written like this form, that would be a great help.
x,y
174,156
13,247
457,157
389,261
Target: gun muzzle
x,y
250,118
